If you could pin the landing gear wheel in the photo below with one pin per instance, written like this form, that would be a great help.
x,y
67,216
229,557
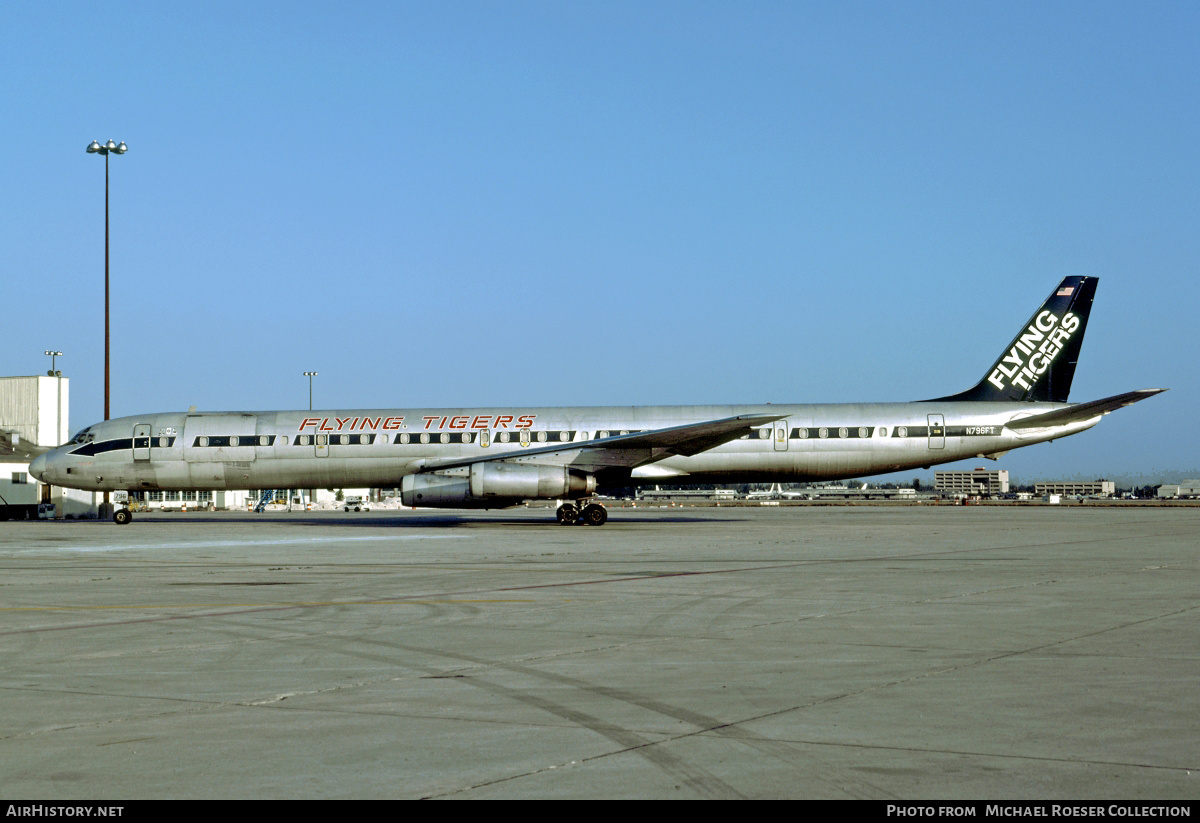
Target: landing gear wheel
x,y
568,514
595,515
122,516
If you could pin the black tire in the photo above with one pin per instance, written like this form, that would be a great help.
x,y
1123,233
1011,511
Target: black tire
x,y
122,516
595,515
567,515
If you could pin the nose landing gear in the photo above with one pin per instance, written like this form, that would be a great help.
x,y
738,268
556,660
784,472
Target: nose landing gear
x,y
592,514
122,516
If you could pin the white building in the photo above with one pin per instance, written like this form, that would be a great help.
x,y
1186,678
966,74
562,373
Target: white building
x,y
979,482
33,418
1188,488
1089,488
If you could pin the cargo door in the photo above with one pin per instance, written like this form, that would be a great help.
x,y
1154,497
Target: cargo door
x,y
141,442
937,431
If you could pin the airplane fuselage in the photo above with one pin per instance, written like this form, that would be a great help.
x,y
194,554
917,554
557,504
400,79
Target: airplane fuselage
x,y
490,458
378,447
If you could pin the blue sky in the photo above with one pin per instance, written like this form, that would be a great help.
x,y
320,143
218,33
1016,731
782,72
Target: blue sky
x,y
604,203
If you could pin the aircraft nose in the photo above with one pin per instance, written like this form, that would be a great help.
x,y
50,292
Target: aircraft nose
x,y
38,467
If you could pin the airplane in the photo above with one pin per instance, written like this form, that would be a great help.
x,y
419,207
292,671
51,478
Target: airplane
x,y
776,492
501,457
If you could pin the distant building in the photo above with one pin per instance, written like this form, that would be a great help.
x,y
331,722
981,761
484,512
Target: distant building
x,y
1093,488
979,482
651,495
1188,488
33,418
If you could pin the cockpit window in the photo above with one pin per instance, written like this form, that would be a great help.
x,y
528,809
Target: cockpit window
x,y
84,436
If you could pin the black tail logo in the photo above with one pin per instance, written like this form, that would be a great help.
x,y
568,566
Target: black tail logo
x,y
1039,363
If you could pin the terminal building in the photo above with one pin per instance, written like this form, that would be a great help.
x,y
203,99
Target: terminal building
x,y
33,418
979,482
1093,488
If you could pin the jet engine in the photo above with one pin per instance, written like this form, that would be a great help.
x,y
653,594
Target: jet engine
x,y
492,485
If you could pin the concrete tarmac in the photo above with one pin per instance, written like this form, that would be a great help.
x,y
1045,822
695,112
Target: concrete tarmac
x,y
815,652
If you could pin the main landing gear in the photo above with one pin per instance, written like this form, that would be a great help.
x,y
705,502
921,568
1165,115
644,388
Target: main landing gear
x,y
592,514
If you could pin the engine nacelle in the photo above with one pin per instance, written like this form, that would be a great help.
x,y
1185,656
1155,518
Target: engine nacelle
x,y
525,481
491,485
435,490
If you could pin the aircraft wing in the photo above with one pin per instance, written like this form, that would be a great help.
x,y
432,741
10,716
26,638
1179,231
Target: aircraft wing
x,y
12,445
1082,411
624,451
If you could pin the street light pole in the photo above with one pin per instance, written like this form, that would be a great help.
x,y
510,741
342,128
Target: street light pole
x,y
54,372
53,356
108,148
312,493
310,375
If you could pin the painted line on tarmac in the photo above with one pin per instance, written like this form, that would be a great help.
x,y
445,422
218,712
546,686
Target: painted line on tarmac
x,y
226,544
295,604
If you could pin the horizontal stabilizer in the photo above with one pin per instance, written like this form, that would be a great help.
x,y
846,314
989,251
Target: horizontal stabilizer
x,y
1083,411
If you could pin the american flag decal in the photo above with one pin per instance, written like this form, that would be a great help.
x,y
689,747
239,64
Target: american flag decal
x,y
1066,291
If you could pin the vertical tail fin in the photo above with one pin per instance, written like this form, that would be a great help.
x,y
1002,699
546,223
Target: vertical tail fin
x,y
1039,363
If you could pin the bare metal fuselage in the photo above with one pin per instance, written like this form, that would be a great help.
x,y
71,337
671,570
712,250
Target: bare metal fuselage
x,y
377,448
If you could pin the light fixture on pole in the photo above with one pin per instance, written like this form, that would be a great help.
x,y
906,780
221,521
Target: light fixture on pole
x,y
310,375
108,148
53,356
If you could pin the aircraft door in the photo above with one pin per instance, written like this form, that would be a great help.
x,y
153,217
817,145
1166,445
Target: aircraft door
x,y
322,445
141,442
937,431
781,435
